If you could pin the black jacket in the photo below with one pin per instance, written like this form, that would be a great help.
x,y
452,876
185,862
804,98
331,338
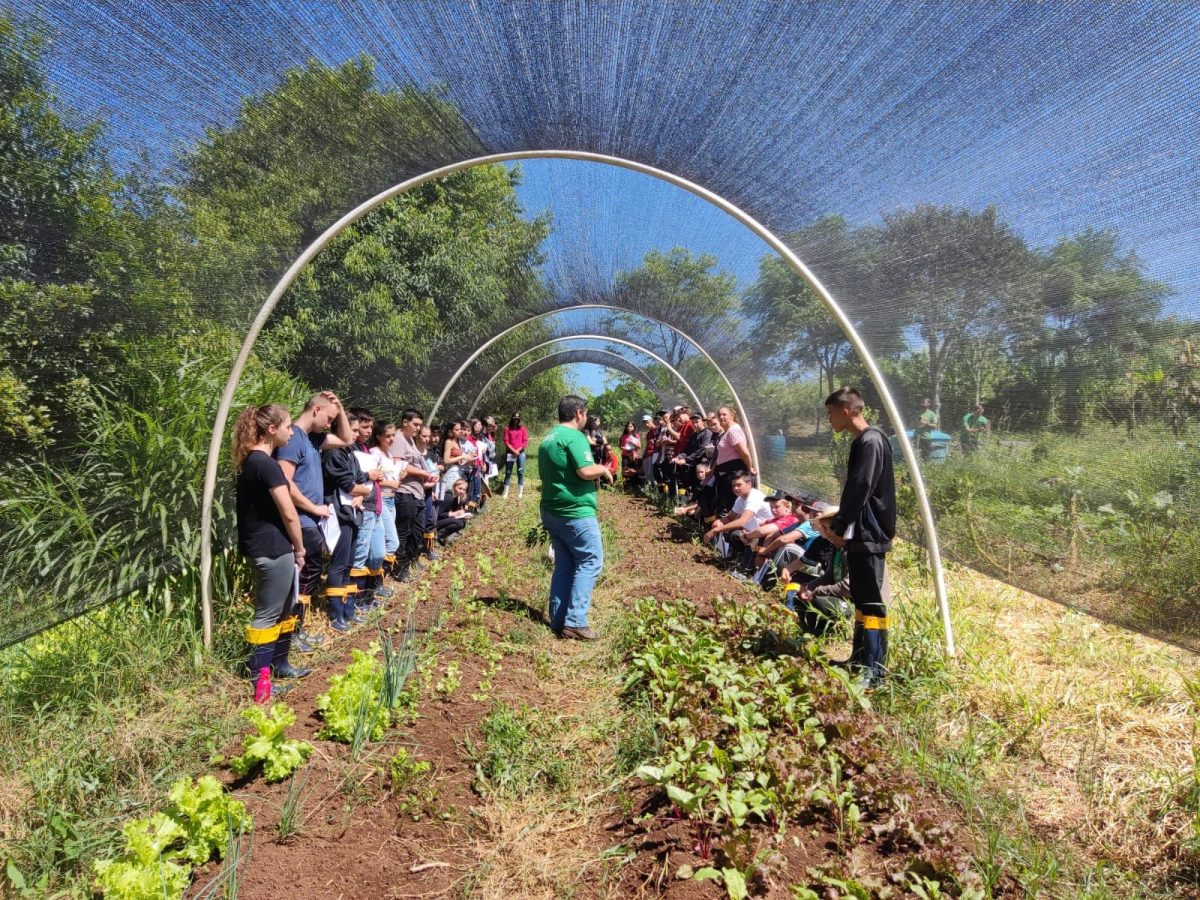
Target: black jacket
x,y
869,496
342,473
698,446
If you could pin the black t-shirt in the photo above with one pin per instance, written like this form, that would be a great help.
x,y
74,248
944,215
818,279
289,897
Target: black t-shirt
x,y
260,527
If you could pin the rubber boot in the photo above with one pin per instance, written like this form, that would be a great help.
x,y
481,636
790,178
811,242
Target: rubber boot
x,y
504,493
377,586
262,648
875,647
520,491
854,662
361,578
789,597
336,598
280,666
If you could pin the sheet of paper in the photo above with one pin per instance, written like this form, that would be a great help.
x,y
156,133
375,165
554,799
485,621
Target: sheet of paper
x,y
331,530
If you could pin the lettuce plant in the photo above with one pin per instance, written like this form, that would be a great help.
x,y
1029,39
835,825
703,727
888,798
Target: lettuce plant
x,y
353,705
269,748
160,850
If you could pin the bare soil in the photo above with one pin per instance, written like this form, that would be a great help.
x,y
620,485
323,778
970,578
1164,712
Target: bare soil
x,y
360,840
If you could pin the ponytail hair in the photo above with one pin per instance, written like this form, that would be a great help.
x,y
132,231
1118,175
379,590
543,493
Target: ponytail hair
x,y
251,427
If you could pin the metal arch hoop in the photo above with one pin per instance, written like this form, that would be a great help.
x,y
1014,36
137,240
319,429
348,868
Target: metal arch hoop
x,y
793,261
597,357
737,401
589,337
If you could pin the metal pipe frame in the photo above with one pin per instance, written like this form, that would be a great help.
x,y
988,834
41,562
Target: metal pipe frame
x,y
775,243
591,337
567,357
737,401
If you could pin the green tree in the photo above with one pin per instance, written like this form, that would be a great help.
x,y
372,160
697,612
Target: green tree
x,y
679,289
791,321
1098,304
416,279
296,158
88,262
956,276
624,399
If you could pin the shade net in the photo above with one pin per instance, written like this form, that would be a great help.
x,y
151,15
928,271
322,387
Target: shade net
x,y
1003,198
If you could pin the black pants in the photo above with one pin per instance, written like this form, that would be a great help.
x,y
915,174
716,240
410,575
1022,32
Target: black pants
x,y
725,495
410,527
314,560
867,574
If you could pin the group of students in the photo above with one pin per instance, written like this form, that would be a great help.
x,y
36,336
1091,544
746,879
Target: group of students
x,y
341,495
675,447
828,559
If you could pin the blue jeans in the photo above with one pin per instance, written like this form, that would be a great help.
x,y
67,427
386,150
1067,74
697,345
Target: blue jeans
x,y
368,549
519,462
578,558
391,540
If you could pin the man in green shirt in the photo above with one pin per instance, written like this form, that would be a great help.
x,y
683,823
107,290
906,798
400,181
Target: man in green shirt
x,y
926,426
975,428
568,509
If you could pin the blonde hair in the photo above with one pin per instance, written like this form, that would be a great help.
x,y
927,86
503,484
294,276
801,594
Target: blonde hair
x,y
461,481
251,427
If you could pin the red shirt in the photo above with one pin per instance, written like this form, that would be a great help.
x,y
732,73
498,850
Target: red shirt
x,y
685,433
783,522
517,438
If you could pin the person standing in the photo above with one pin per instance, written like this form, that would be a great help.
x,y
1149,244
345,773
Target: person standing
x,y
569,475
733,456
516,439
926,426
975,428
410,495
864,527
300,460
269,536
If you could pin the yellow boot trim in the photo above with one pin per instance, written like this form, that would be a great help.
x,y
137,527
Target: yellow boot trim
x,y
360,572
304,599
288,625
792,587
875,623
390,559
375,572
260,636
429,535
339,591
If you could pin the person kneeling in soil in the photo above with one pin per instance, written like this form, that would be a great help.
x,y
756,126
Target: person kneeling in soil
x,y
750,510
268,535
569,476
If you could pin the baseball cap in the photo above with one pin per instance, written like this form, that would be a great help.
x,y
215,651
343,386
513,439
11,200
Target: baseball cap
x,y
646,418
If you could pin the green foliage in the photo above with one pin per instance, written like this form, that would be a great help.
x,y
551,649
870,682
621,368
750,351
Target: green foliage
x,y
520,754
353,707
627,400
161,850
278,756
750,737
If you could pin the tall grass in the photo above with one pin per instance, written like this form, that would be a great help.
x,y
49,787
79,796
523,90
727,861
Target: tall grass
x,y
116,510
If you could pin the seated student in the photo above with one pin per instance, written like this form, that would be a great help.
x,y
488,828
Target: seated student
x,y
822,601
793,542
704,497
782,518
454,511
750,510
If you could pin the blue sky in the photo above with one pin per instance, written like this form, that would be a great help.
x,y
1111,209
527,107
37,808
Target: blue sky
x,y
1063,115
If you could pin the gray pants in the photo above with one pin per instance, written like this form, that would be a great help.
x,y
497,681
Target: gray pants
x,y
273,581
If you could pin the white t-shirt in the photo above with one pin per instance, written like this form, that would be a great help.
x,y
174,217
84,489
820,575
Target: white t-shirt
x,y
756,502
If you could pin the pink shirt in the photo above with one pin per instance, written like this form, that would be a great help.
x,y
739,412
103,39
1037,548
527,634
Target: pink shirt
x,y
729,441
517,438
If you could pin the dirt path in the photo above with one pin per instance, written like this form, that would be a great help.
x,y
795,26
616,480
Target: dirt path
x,y
530,746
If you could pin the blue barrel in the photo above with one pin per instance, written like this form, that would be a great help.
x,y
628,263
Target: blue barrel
x,y
939,445
776,446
